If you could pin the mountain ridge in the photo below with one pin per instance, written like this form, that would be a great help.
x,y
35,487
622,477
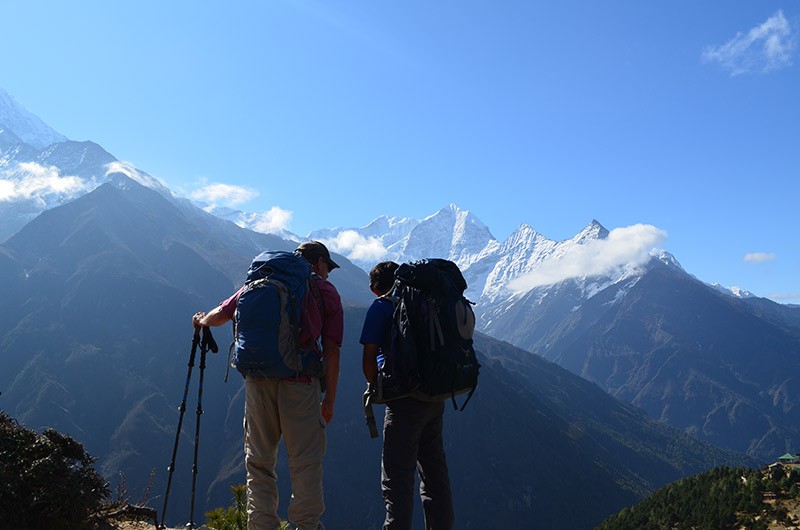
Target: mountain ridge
x,y
611,321
27,126
102,289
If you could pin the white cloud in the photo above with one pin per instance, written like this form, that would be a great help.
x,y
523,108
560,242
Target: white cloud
x,y
357,247
272,221
759,257
625,248
29,180
785,296
224,194
764,48
130,171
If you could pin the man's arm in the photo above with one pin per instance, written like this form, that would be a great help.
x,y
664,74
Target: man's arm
x,y
330,350
369,362
215,317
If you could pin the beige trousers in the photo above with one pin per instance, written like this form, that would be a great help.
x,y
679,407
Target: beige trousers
x,y
274,409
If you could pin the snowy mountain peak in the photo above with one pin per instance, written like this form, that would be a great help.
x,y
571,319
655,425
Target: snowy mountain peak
x,y
451,211
594,230
393,227
451,232
128,170
26,126
736,292
667,258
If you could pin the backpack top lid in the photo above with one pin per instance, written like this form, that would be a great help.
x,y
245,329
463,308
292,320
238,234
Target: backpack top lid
x,y
439,277
288,267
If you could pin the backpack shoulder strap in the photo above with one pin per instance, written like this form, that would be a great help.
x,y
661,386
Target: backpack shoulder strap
x,y
390,296
314,288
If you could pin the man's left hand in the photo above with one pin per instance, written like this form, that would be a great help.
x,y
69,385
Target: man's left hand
x,y
327,410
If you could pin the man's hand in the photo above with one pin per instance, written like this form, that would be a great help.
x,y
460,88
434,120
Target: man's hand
x,y
197,318
215,317
327,410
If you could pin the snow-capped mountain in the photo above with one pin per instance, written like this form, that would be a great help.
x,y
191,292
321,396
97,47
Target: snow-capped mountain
x,y
26,126
387,230
610,306
257,222
41,169
498,273
738,292
450,233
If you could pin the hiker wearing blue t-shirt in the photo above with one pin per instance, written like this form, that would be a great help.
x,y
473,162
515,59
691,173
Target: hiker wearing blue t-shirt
x,y
412,429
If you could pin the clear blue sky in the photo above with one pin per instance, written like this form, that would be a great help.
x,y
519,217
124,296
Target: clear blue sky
x,y
682,115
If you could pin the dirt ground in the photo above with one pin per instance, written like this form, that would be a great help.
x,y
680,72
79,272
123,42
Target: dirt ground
x,y
134,525
143,525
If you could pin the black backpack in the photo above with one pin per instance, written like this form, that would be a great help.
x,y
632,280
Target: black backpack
x,y
430,356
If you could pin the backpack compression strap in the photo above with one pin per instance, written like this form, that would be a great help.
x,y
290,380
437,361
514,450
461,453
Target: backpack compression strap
x,y
436,324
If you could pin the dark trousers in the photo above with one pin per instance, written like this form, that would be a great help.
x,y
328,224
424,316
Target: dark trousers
x,y
412,440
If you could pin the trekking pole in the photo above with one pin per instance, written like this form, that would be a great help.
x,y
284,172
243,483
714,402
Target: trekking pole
x,y
206,344
182,409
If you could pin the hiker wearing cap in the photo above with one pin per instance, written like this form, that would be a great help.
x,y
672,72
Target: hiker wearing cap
x,y
292,408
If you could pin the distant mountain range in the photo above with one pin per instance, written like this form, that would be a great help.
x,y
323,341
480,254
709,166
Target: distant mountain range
x,y
95,341
719,363
98,289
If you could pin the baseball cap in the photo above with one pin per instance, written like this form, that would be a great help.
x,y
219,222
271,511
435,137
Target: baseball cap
x,y
313,250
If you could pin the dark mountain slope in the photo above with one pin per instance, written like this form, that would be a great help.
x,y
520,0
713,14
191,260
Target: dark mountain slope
x,y
687,354
84,159
529,446
98,296
642,452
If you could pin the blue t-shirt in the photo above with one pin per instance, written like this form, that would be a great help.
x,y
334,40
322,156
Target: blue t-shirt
x,y
378,323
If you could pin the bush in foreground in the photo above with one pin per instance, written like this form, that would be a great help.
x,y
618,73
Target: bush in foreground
x,y
46,480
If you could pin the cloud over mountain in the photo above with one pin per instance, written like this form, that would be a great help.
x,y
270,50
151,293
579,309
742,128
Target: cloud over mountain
x,y
356,246
224,194
271,221
624,248
29,180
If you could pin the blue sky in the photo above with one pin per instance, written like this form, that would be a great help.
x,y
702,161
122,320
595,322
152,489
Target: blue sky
x,y
679,115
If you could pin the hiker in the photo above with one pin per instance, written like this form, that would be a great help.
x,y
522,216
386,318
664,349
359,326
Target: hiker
x,y
412,429
291,407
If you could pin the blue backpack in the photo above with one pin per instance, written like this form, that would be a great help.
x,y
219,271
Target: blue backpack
x,y
431,356
268,315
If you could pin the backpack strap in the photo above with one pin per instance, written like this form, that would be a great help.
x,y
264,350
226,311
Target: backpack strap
x,y
314,288
435,323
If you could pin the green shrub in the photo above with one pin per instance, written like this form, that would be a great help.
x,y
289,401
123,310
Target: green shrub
x,y
234,517
46,480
